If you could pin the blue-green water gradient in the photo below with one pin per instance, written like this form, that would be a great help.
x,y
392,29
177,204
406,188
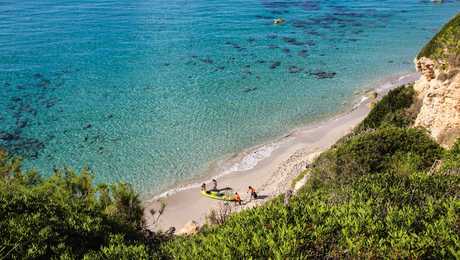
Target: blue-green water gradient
x,y
150,92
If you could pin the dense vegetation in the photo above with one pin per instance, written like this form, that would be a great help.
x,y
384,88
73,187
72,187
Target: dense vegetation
x,y
391,214
374,194
445,45
66,216
391,110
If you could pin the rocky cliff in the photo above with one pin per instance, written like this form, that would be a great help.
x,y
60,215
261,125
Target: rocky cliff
x,y
438,90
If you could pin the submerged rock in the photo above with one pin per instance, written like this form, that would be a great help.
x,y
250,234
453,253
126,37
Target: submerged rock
x,y
16,99
310,5
310,43
292,41
300,23
207,61
323,74
44,83
28,148
275,64
314,33
5,136
263,17
22,123
303,53
38,75
294,69
250,90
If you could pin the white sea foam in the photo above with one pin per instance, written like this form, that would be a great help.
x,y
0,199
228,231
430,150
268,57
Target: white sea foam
x,y
361,101
252,158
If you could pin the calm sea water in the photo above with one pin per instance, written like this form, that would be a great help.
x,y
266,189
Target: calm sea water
x,y
150,92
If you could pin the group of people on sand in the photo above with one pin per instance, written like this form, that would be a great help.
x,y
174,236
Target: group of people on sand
x,y
236,197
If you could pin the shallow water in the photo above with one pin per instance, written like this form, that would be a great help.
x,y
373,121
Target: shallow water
x,y
150,92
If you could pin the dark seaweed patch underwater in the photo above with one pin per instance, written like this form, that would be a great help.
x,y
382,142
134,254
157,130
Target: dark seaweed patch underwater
x,y
153,92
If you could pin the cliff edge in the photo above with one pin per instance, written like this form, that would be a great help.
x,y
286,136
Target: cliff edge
x,y
438,89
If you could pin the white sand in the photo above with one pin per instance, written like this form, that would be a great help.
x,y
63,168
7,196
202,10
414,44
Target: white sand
x,y
272,174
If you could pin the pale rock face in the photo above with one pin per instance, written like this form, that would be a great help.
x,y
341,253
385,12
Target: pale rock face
x,y
438,94
189,229
426,67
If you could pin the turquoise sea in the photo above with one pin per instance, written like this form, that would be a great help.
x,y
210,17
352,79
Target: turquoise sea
x,y
150,92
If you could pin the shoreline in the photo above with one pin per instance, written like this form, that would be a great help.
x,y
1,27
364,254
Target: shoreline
x,y
269,167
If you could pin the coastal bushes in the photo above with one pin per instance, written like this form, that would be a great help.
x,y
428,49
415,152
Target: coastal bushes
x,y
451,163
65,215
444,47
391,110
377,151
374,151
386,214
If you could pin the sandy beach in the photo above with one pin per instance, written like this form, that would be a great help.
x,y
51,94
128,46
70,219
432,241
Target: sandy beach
x,y
270,168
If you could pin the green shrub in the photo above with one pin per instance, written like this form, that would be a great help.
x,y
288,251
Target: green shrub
x,y
451,161
374,151
444,47
383,215
391,110
117,248
63,215
455,150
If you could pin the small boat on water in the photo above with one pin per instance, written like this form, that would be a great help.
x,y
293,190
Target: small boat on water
x,y
278,21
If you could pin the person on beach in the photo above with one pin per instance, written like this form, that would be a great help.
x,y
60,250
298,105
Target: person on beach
x,y
203,187
214,185
253,192
237,198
